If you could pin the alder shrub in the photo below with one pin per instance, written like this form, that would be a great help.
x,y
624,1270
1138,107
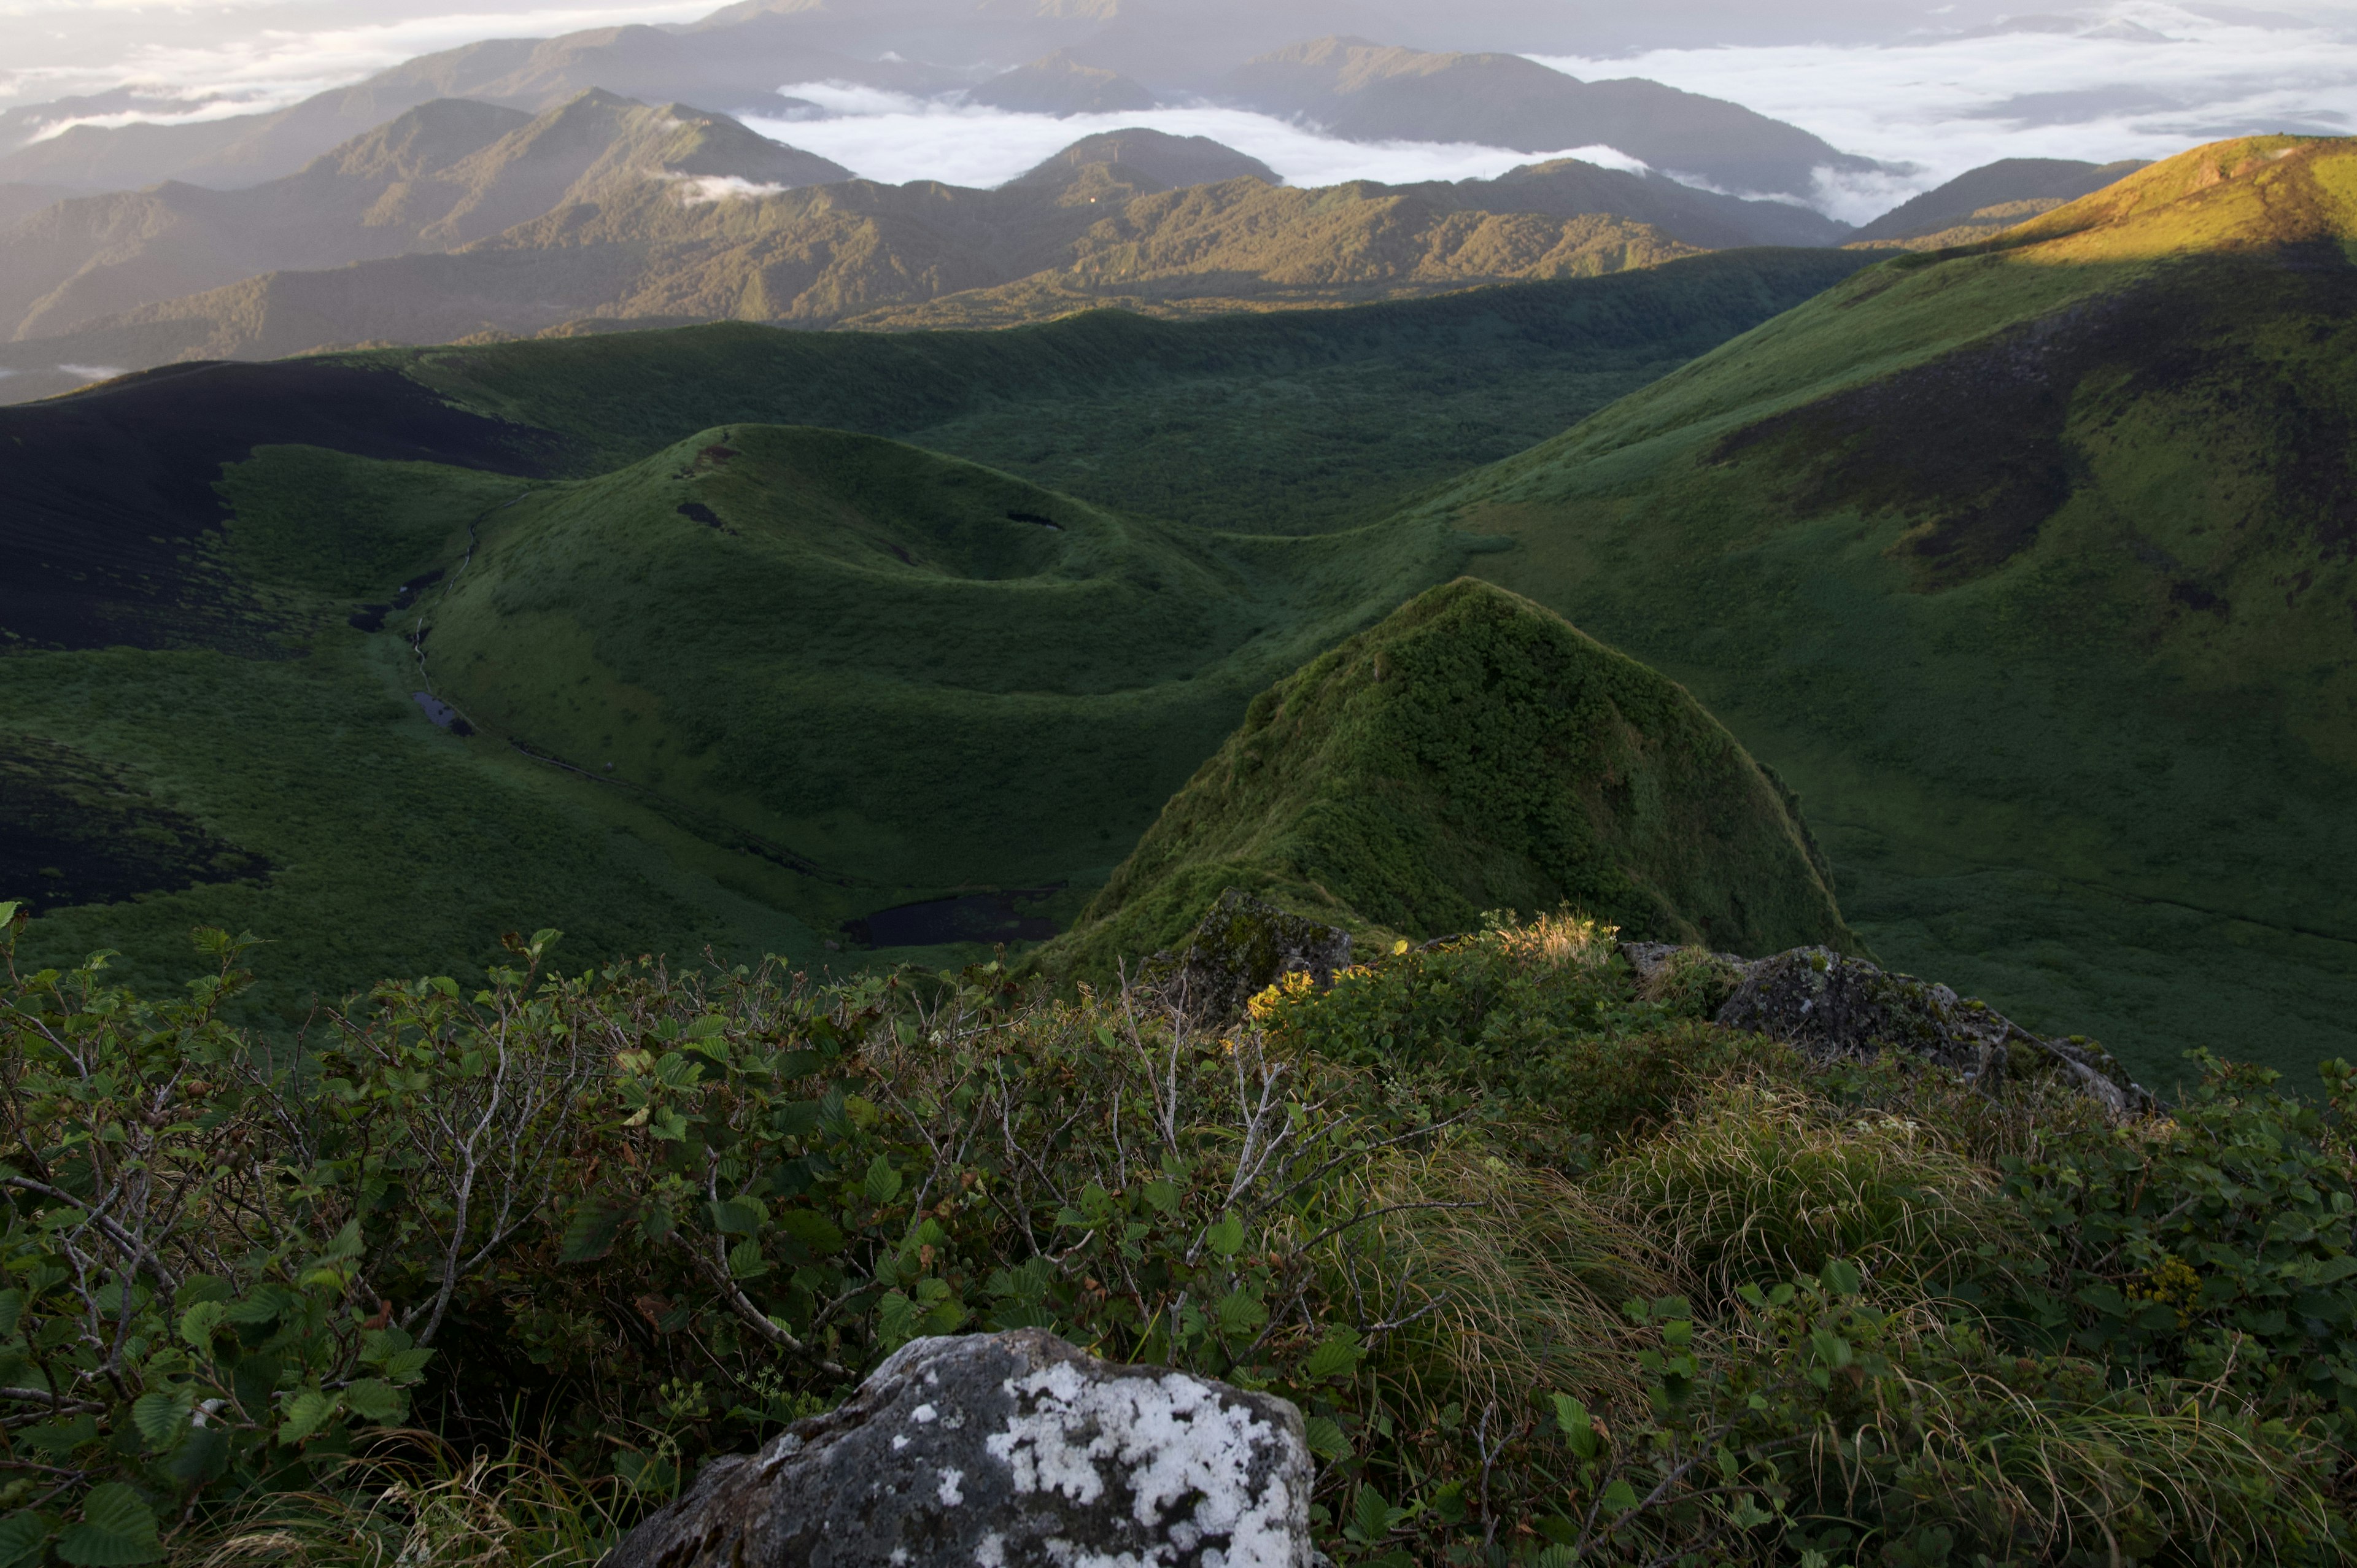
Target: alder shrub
x,y
1557,1272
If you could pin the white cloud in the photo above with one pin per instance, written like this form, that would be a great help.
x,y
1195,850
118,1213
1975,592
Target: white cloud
x,y
698,190
269,67
894,139
93,373
1945,106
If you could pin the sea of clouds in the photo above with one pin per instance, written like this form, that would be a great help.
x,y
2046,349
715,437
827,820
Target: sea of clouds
x,y
2140,78
2146,82
885,136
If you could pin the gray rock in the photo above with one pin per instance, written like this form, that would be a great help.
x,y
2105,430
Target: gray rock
x,y
1833,1006
1243,945
1005,1451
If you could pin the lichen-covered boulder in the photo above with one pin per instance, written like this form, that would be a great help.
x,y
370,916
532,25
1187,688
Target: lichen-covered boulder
x,y
1833,1006
1005,1451
1243,945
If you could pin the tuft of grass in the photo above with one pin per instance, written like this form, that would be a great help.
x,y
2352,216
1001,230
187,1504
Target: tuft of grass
x,y
424,1502
1763,1181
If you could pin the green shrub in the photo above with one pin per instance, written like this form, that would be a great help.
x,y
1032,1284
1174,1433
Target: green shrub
x,y
581,1234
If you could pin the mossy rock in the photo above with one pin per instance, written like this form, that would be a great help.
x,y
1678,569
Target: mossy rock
x,y
1831,1007
1243,946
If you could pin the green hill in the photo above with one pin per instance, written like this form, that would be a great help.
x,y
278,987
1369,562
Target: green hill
x,y
2030,566
1473,753
207,695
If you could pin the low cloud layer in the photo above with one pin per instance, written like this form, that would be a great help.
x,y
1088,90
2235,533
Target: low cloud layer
x,y
1948,106
261,54
884,136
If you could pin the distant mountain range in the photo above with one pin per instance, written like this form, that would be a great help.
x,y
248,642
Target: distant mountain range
x,y
1084,58
459,218
1364,91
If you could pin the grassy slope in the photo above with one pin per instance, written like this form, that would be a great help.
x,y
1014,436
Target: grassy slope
x,y
1283,423
877,662
399,847
2030,566
1471,752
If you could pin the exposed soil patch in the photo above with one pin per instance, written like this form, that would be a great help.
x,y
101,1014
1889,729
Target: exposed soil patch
x,y
696,512
106,497
74,831
970,917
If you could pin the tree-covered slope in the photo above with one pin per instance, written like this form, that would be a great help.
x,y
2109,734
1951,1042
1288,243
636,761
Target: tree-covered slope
x,y
2030,565
1474,752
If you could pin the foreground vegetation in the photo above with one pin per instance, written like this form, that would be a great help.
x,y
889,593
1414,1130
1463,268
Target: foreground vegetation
x,y
1558,1271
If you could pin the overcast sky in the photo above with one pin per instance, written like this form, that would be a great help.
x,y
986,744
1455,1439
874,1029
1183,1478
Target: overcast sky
x,y
2161,78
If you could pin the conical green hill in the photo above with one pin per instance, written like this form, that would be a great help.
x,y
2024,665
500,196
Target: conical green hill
x,y
1473,752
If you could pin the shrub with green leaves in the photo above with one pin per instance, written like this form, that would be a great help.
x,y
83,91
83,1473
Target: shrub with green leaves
x,y
1556,1274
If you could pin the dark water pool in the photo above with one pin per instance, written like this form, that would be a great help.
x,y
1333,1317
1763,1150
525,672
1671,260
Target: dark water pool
x,y
969,918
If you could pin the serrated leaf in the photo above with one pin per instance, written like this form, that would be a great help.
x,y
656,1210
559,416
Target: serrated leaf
x,y
883,1181
22,1534
1371,1517
739,1216
745,1261
1227,1238
305,1413
1618,1499
117,1531
374,1399
407,1365
1326,1438
589,1234
1338,1355
813,1230
161,1416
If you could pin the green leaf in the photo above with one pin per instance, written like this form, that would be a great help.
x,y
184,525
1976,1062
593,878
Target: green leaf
x,y
883,1181
739,1216
407,1365
305,1413
161,1416
1326,1438
1371,1517
1841,1277
117,1531
813,1229
1620,1498
22,1534
1338,1355
1578,1425
1227,1238
745,1261
374,1399
589,1234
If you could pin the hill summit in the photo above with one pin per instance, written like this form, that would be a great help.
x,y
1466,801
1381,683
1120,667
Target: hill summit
x,y
1473,752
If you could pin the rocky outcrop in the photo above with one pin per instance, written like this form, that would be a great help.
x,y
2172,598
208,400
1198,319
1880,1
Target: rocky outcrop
x,y
1005,1450
1832,1006
1243,946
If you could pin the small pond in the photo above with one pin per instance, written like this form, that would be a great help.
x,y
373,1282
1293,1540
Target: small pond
x,y
988,917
